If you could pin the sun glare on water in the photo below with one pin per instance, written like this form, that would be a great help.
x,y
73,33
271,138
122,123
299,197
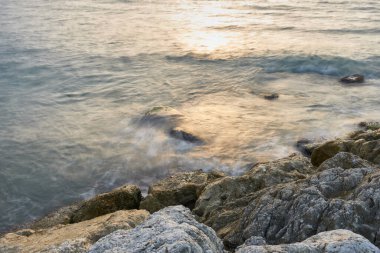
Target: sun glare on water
x,y
207,30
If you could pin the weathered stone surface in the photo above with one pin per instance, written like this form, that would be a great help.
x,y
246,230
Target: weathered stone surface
x,y
172,229
356,78
335,241
231,189
370,125
346,195
179,189
76,237
122,198
365,144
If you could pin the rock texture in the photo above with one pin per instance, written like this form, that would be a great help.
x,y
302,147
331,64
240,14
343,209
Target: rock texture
x,y
122,198
179,189
365,144
71,238
236,190
346,195
336,241
172,229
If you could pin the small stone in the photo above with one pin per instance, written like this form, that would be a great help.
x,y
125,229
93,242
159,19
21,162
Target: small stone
x,y
180,134
356,78
271,96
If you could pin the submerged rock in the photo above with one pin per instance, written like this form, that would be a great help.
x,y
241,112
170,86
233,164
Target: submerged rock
x,y
180,134
356,78
122,198
371,125
76,237
179,189
306,146
271,96
345,195
335,241
172,229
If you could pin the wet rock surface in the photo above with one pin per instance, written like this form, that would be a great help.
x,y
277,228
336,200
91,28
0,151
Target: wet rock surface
x,y
172,229
76,237
336,241
179,189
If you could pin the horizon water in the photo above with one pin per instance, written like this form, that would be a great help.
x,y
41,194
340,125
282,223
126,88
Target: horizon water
x,y
76,75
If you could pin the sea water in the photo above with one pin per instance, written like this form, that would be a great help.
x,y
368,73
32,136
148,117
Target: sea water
x,y
76,76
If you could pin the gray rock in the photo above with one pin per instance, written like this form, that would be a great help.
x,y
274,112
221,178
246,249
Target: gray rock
x,y
172,229
335,241
179,189
236,190
346,196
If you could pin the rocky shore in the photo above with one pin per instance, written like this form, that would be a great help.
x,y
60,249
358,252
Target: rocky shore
x,y
328,202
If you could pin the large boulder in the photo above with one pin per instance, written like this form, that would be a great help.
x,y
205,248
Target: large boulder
x,y
335,241
71,238
365,144
238,189
172,229
122,198
179,189
346,195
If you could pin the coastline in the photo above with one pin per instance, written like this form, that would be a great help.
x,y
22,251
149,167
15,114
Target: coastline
x,y
281,202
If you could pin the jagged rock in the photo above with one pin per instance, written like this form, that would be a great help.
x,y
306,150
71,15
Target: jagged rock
x,y
356,78
179,189
76,237
346,195
336,241
122,198
365,144
172,229
230,189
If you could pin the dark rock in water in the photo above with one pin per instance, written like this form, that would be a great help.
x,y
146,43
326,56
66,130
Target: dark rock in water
x,y
334,241
356,78
172,229
346,195
179,189
306,146
271,96
180,134
122,198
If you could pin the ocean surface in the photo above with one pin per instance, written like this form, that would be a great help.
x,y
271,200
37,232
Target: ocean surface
x,y
76,76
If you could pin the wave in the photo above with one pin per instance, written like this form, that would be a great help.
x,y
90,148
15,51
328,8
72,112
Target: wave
x,y
313,64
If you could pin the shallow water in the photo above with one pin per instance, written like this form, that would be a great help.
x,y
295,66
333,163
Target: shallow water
x,y
76,75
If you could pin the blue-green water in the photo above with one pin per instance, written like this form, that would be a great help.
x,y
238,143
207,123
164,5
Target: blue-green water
x,y
75,75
